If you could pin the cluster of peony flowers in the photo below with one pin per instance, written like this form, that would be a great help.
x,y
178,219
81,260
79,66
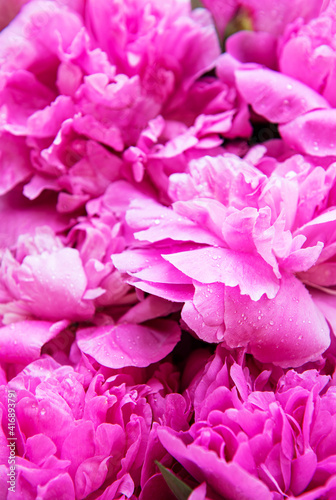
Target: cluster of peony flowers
x,y
167,250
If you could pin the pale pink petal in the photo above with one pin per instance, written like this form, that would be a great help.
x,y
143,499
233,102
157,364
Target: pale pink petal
x,y
210,265
55,284
316,132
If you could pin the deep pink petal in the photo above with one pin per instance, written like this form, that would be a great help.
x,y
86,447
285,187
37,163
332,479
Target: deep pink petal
x,y
228,479
60,487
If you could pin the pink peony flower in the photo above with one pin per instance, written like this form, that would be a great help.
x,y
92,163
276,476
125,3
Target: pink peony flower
x,y
87,432
45,280
307,53
252,441
89,93
235,247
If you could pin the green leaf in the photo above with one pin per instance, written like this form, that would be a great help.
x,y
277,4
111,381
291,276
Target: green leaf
x,y
180,489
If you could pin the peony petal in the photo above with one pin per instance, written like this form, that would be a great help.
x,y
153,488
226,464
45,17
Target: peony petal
x,y
148,265
21,342
15,164
174,292
252,46
288,330
128,344
55,284
60,487
228,479
303,469
278,97
316,135
210,265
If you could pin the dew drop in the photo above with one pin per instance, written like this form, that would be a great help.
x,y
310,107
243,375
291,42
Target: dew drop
x,y
43,411
271,322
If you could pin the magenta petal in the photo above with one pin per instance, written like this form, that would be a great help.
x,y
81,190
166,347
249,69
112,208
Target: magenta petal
x,y
21,342
148,265
303,468
195,321
122,345
209,265
253,46
288,330
174,292
15,166
316,135
156,486
326,303
277,97
228,479
60,487
199,493
20,216
151,307
39,448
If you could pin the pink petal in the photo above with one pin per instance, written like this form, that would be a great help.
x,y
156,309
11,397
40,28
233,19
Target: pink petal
x,y
210,265
303,469
148,265
228,479
39,448
252,46
326,303
174,292
47,121
195,321
15,166
128,344
151,307
277,97
21,342
288,330
60,487
316,134
55,284
20,216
